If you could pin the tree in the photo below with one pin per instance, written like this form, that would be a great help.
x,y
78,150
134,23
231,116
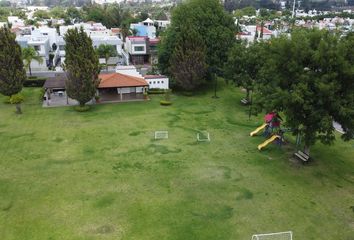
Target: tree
x,y
212,24
188,61
57,12
74,14
310,78
106,51
29,54
41,14
12,73
244,65
81,65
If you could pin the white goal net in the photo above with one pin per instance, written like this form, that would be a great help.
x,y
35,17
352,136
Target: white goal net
x,y
203,137
161,135
274,236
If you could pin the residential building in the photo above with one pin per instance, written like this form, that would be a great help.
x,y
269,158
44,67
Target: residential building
x,y
157,81
41,45
141,50
144,29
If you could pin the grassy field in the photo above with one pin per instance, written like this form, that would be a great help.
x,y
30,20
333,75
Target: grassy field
x,y
101,175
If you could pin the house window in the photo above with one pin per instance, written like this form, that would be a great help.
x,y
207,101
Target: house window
x,y
158,82
37,48
154,82
45,34
139,49
162,82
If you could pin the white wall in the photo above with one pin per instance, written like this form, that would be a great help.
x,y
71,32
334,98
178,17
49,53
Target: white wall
x,y
161,83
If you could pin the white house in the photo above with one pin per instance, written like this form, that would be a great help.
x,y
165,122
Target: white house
x,y
162,24
157,81
128,70
145,28
41,45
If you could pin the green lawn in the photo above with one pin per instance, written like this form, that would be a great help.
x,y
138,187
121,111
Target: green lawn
x,y
101,175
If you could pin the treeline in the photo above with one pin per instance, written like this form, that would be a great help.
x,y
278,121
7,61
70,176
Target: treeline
x,y
307,76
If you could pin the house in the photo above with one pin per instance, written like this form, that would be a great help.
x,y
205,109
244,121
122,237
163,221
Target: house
x,y
141,50
128,70
99,34
136,47
113,87
121,87
41,45
162,24
157,81
144,29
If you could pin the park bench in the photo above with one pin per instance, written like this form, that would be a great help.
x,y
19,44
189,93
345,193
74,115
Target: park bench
x,y
244,101
302,156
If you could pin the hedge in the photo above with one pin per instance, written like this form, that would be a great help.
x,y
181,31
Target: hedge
x,y
34,82
156,91
165,103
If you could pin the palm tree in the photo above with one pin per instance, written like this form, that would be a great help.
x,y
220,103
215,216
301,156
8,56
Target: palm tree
x,y
28,55
106,51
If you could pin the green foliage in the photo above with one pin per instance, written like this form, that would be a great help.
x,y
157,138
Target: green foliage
x,y
74,14
41,14
16,99
28,55
12,74
81,65
58,12
106,51
244,64
188,62
165,103
247,11
310,78
205,18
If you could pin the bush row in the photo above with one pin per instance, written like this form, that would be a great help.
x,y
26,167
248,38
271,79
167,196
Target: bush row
x,y
34,81
156,91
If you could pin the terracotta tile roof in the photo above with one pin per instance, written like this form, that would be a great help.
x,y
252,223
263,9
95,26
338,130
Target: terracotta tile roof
x,y
117,80
266,31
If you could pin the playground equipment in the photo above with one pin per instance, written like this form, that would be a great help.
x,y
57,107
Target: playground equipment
x,y
269,140
271,129
258,129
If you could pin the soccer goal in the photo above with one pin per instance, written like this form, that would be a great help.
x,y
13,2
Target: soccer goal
x,y
203,137
274,236
161,135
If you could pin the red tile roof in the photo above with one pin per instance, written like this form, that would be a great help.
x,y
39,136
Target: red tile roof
x,y
117,80
266,31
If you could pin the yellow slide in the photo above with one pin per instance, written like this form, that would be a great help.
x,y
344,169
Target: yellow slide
x,y
258,129
260,146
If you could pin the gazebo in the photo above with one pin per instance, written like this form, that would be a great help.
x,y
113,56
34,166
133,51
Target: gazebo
x,y
121,87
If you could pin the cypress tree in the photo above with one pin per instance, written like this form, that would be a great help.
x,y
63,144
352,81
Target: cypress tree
x,y
12,73
81,65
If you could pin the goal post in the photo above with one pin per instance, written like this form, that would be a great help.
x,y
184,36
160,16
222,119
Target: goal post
x,y
274,236
161,135
203,136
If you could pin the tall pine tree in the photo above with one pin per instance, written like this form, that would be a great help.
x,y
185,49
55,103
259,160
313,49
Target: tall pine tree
x,y
12,73
81,65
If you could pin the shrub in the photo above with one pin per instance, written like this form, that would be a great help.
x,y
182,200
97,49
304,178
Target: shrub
x,y
82,108
34,81
156,91
17,98
165,103
41,94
